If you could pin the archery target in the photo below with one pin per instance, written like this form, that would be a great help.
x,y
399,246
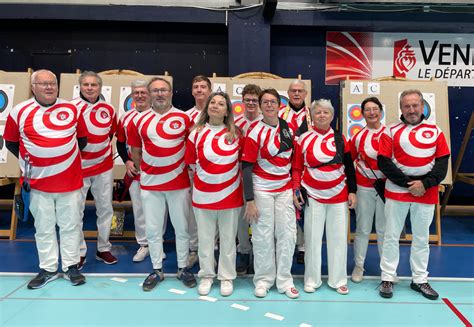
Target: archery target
x,y
6,100
126,101
238,107
3,148
354,113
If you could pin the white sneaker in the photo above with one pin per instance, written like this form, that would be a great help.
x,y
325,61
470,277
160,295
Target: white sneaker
x,y
309,288
357,274
260,291
193,258
292,293
227,287
205,286
141,254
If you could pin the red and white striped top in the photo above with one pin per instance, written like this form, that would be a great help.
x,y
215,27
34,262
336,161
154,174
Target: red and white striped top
x,y
217,180
162,139
364,149
125,120
413,149
49,136
101,124
292,117
193,113
271,172
243,123
326,184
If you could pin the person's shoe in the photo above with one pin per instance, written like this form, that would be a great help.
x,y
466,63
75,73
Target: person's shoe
x,y
193,258
42,278
106,257
243,264
300,257
357,274
153,279
82,262
343,290
292,293
260,291
309,289
227,287
205,286
425,290
186,277
74,276
386,289
141,254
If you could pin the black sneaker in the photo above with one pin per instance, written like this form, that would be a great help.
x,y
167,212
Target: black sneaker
x,y
386,289
43,278
186,277
243,265
300,257
153,279
425,290
74,276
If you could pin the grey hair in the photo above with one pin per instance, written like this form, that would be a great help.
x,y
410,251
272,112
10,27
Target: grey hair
x,y
411,91
322,103
35,74
297,81
90,73
154,79
139,83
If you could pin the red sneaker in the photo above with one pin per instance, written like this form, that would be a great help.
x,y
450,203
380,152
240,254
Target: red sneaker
x,y
106,257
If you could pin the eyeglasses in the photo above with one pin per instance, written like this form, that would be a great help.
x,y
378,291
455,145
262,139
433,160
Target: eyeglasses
x,y
46,84
250,101
160,90
90,85
270,102
296,91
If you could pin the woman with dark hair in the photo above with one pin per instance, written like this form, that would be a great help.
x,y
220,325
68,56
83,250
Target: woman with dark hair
x,y
323,166
364,149
266,163
213,151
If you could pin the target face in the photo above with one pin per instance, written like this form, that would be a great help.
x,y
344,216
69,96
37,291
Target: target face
x,y
426,109
355,113
7,92
3,101
128,103
284,101
354,129
238,107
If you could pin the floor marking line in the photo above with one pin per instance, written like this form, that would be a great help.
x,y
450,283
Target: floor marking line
x,y
176,291
457,312
274,316
16,289
240,307
119,279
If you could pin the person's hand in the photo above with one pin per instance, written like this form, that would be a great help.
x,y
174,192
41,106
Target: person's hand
x,y
352,200
131,170
298,199
416,188
251,212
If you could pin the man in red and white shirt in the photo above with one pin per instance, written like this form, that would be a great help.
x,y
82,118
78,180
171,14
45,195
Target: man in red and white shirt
x,y
414,155
47,134
157,138
251,114
97,161
201,90
295,114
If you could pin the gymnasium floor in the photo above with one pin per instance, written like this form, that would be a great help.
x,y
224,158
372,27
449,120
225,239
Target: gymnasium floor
x,y
112,295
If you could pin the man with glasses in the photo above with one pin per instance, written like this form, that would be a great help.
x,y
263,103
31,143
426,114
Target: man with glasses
x,y
295,113
157,139
201,89
414,156
250,116
97,162
47,133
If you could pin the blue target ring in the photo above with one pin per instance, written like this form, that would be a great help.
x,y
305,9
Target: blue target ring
x,y
426,109
3,101
128,103
284,101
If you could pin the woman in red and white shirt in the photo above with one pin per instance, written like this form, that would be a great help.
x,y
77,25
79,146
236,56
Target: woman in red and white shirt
x,y
323,166
268,193
364,149
213,151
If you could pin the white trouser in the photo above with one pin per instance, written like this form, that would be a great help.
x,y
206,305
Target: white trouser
x,y
368,205
335,217
244,246
101,189
421,216
138,216
154,207
299,238
193,232
275,228
208,222
49,210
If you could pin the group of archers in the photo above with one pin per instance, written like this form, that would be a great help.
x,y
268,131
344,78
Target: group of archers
x,y
216,175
